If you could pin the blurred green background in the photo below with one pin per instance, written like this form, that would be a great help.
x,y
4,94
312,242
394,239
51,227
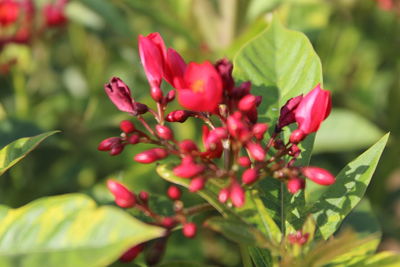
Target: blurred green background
x,y
57,83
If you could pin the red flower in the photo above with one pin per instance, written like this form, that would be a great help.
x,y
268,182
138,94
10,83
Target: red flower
x,y
54,14
200,89
313,109
9,11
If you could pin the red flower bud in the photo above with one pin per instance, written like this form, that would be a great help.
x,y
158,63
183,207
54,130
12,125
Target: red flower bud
x,y
116,150
287,112
132,253
170,96
54,14
197,184
175,67
178,116
133,139
164,132
318,175
168,222
259,130
256,151
242,90
295,184
244,162
294,150
109,143
247,103
237,195
223,195
187,146
144,196
120,94
237,128
250,176
156,94
123,196
174,192
298,238
9,12
297,136
189,230
151,155
127,126
313,109
224,68
188,168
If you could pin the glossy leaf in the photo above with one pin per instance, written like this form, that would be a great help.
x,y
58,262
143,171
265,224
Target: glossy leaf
x,y
69,230
281,64
17,150
351,183
383,259
345,130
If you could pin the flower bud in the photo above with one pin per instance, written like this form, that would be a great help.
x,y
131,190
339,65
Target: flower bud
x,y
108,143
168,222
156,94
174,192
116,150
188,168
164,132
144,196
242,90
237,195
244,161
127,126
256,151
139,108
224,68
120,94
9,12
247,102
287,116
170,96
237,128
189,230
223,195
197,184
133,139
54,14
123,196
221,132
178,116
259,130
297,136
132,253
294,150
298,238
295,184
250,176
318,175
187,146
151,155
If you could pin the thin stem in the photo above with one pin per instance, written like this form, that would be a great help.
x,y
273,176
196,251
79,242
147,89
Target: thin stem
x,y
244,252
146,125
198,209
160,109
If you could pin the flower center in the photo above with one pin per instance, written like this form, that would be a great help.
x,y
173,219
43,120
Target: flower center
x,y
198,86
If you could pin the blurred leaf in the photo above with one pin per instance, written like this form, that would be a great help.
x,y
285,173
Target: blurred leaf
x,y
383,259
78,12
345,130
261,7
3,211
69,230
239,232
17,150
281,64
351,183
183,264
261,257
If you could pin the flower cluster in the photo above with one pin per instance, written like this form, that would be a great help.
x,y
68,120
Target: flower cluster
x,y
230,127
18,19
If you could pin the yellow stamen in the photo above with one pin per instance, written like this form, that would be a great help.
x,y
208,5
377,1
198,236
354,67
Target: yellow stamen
x,y
198,86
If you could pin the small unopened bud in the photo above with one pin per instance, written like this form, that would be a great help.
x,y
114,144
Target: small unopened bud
x,y
132,253
144,196
178,116
133,139
108,143
187,146
123,196
116,150
242,90
174,192
295,184
250,176
259,130
278,144
139,108
188,168
151,155
170,96
189,230
164,132
244,161
298,238
294,150
223,195
237,195
127,126
318,175
297,136
156,94
247,103
197,184
168,222
287,113
256,151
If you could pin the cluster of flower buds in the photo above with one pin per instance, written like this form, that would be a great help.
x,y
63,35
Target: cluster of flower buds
x,y
125,198
19,19
228,111
298,238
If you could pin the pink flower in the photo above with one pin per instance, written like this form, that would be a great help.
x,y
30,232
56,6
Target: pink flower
x,y
200,89
120,94
188,168
9,12
313,109
54,14
318,175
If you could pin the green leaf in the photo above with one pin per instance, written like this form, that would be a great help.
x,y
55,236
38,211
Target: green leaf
x,y
383,259
281,64
345,130
17,150
351,183
261,257
239,232
183,264
69,230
